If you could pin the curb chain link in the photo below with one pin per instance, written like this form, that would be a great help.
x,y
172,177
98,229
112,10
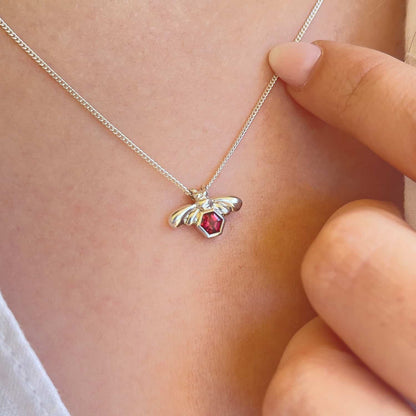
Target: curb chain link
x,y
113,129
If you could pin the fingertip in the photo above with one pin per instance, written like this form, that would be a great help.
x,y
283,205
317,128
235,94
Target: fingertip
x,y
369,205
346,239
294,62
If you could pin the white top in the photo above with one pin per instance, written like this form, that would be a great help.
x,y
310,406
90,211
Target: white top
x,y
26,389
410,186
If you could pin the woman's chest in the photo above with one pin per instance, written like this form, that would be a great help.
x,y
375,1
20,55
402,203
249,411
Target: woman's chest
x,y
146,319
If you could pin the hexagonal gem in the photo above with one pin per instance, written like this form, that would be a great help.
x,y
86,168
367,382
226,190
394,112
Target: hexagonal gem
x,y
211,222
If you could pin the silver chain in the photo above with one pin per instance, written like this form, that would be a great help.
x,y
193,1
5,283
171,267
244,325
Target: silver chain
x,y
110,126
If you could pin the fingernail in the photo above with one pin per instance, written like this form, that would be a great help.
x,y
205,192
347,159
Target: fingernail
x,y
294,62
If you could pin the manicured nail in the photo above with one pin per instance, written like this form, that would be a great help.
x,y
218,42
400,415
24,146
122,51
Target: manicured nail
x,y
293,62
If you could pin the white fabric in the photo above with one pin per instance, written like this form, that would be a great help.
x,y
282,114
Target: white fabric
x,y
410,201
410,186
410,58
26,389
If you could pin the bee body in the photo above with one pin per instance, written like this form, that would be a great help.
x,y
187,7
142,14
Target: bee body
x,y
206,213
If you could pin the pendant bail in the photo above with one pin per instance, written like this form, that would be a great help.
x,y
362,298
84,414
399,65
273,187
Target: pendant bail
x,y
199,194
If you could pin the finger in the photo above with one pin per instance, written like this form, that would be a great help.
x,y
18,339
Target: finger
x,y
360,276
367,93
319,376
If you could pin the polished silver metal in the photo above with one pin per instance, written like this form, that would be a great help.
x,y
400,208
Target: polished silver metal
x,y
203,205
193,214
133,146
263,97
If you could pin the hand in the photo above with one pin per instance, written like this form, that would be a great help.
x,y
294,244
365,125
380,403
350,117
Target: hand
x,y
359,356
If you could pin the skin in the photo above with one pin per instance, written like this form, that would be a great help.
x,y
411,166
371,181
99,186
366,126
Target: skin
x,y
128,316
359,356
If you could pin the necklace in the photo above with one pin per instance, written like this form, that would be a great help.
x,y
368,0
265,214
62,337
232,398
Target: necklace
x,y
207,214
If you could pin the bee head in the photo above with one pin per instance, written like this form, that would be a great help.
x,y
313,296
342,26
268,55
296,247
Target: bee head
x,y
199,194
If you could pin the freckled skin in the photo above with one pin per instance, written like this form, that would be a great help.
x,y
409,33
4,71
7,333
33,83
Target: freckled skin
x,y
127,315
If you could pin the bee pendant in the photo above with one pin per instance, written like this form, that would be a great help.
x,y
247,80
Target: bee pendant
x,y
206,213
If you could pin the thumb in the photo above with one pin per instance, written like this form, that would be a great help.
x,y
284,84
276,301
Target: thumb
x,y
364,92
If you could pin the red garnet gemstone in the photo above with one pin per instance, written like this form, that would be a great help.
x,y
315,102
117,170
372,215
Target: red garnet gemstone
x,y
211,222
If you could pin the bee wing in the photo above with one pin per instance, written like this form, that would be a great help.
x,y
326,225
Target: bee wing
x,y
226,204
189,214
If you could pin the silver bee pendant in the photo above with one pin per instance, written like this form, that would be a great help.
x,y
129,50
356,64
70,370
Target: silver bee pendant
x,y
205,213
